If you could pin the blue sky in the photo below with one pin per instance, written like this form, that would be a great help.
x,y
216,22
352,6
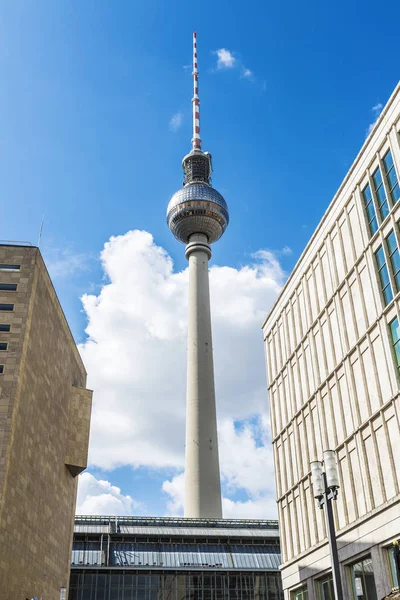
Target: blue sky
x,y
89,90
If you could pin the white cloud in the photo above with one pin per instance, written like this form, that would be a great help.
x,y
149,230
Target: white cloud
x,y
135,355
176,121
99,497
246,465
226,60
247,73
376,111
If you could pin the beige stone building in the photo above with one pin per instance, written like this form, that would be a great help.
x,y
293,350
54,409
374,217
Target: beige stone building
x,y
44,429
332,343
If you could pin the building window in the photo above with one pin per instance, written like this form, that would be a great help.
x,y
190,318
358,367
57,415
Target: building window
x,y
362,576
391,177
383,272
394,258
7,307
393,569
380,194
301,594
370,210
10,267
8,287
395,333
3,346
325,587
5,328
1,369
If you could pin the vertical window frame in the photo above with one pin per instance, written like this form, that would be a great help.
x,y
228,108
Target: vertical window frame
x,y
380,269
393,168
368,203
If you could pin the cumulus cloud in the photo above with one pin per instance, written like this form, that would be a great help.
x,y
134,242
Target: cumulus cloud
x,y
246,466
376,111
99,497
135,355
225,59
176,121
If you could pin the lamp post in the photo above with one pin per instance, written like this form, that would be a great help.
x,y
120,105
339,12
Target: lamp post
x,y
326,485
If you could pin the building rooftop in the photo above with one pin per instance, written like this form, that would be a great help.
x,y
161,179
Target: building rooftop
x,y
171,526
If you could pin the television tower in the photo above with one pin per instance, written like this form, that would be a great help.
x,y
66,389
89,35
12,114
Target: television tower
x,y
198,215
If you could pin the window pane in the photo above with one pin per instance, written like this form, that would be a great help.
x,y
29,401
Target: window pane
x,y
392,178
370,211
8,287
397,353
391,242
380,257
3,346
377,177
395,330
395,261
1,369
373,226
367,194
7,307
395,193
5,328
387,294
384,275
10,267
388,161
384,210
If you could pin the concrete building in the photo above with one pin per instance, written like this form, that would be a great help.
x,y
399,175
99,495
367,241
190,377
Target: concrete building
x,y
332,343
44,429
198,215
145,558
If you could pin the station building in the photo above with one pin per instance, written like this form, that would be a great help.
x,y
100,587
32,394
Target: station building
x,y
145,558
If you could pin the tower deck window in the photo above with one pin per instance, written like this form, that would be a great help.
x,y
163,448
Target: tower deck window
x,y
8,287
4,267
3,346
7,307
5,328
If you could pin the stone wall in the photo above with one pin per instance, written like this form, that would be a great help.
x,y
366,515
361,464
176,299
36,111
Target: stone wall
x,y
42,372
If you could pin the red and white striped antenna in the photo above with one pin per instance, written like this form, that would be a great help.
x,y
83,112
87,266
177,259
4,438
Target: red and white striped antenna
x,y
196,140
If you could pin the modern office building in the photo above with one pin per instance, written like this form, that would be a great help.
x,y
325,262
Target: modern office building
x,y
332,343
198,215
44,429
136,558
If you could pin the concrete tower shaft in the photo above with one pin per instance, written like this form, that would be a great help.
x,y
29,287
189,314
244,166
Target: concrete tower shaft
x,y
202,478
198,216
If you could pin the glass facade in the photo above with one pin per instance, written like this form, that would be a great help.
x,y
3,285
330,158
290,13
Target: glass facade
x,y
395,333
138,585
383,273
370,210
380,194
362,576
391,177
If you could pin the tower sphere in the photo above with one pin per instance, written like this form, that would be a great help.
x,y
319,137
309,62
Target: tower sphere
x,y
197,208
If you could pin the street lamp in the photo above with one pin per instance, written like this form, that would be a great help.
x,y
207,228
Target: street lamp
x,y
326,485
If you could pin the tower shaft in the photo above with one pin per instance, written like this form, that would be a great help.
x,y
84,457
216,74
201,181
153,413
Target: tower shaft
x,y
202,478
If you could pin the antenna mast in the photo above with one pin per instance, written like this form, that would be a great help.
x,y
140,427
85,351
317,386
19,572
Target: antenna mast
x,y
196,141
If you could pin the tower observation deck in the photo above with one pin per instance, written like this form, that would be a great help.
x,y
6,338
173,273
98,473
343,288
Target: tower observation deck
x,y
198,215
